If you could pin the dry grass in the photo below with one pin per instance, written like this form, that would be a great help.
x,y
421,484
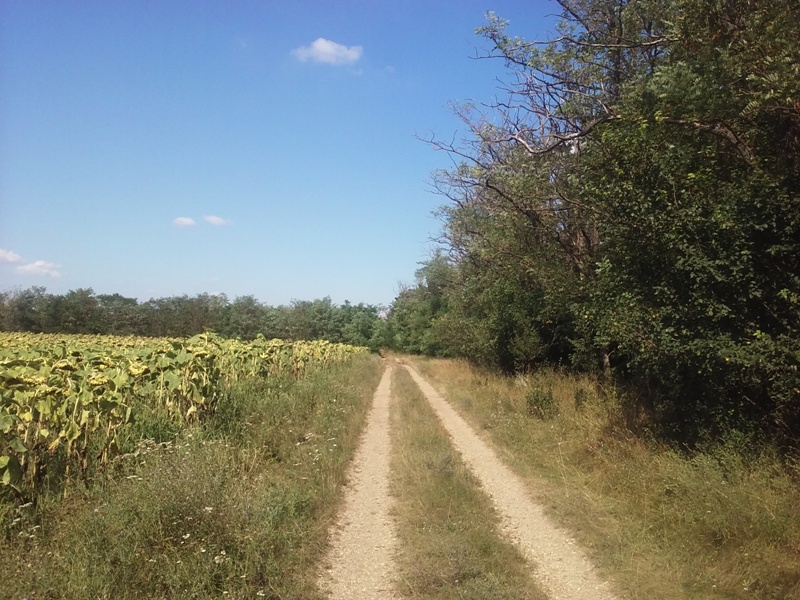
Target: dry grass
x,y
238,508
664,525
447,527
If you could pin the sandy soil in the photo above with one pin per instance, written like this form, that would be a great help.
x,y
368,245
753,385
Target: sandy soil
x,y
361,565
560,565
361,558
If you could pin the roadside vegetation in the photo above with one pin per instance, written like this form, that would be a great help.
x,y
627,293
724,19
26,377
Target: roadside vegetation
x,y
630,205
666,525
70,404
450,545
621,241
237,506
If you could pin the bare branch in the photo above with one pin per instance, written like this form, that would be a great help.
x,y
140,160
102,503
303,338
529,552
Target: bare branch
x,y
718,129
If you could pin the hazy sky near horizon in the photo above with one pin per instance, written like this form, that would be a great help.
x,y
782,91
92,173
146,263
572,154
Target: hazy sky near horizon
x,y
267,148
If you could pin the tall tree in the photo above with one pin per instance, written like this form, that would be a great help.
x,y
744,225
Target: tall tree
x,y
638,190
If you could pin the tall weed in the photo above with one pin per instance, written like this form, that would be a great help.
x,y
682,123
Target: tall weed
x,y
662,522
235,508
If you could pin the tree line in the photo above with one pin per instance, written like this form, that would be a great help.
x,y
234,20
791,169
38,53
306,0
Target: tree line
x,y
631,205
83,311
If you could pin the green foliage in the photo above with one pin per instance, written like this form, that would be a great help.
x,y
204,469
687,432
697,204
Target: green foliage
x,y
409,326
638,210
696,257
700,219
82,312
235,507
65,400
541,404
582,397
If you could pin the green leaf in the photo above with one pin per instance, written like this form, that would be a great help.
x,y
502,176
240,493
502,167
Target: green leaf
x,y
6,423
172,380
10,469
17,446
72,431
44,406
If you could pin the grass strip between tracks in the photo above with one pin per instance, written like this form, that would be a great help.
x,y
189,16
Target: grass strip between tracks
x,y
450,545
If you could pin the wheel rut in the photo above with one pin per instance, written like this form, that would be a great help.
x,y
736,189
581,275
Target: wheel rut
x,y
364,543
560,565
361,563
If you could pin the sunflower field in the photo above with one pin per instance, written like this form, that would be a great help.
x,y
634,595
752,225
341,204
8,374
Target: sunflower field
x,y
65,398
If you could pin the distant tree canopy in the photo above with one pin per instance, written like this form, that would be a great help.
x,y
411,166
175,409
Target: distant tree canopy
x,y
82,311
633,205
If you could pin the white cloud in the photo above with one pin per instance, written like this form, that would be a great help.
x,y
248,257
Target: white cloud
x,y
184,222
328,52
7,256
39,267
214,220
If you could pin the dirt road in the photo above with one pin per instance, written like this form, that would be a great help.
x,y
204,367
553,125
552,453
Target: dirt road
x,y
364,543
361,558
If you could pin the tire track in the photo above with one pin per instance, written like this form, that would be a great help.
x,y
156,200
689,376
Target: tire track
x,y
562,567
362,552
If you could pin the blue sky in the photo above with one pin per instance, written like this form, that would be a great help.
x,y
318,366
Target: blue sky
x,y
266,148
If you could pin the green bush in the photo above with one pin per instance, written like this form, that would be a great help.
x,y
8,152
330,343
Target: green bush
x,y
582,396
541,404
